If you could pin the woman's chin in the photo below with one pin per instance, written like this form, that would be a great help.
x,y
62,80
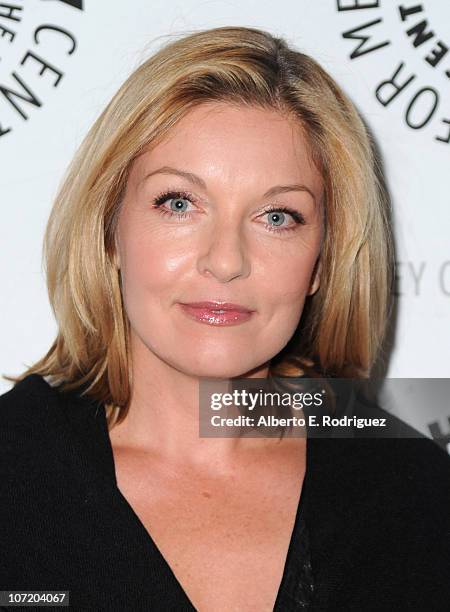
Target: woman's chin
x,y
223,370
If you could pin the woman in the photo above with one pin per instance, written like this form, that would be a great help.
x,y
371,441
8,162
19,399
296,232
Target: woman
x,y
222,219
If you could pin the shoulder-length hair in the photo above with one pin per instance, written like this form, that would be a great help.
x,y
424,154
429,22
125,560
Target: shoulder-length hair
x,y
343,323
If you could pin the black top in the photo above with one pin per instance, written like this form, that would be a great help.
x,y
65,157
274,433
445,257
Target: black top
x,y
377,513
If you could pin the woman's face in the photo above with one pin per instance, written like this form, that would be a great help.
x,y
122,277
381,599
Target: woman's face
x,y
196,225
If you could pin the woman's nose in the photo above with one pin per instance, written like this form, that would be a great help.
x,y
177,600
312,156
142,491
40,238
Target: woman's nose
x,y
223,253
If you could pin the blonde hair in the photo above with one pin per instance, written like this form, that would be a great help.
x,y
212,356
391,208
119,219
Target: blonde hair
x,y
343,323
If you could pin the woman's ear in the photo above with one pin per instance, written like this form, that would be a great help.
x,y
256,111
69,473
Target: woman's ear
x,y
315,278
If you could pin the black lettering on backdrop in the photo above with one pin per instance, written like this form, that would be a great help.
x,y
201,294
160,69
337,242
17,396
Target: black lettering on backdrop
x,y
392,89
5,31
418,31
351,35
421,36
441,138
15,91
75,3
434,103
425,101
395,88
406,12
7,11
56,29
10,95
45,66
436,54
352,5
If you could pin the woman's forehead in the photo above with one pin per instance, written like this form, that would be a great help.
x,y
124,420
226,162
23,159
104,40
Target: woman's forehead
x,y
235,143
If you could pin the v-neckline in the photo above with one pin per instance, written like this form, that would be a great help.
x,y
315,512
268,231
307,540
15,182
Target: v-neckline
x,y
147,537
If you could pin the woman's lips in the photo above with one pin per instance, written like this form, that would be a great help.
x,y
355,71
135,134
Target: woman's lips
x,y
221,314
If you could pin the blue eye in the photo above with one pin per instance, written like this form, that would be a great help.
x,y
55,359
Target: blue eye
x,y
277,218
178,204
279,214
174,203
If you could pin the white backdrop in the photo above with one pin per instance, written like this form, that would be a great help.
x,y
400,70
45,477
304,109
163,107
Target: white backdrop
x,y
62,60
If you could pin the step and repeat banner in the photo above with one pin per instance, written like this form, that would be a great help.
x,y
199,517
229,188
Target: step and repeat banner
x,y
62,60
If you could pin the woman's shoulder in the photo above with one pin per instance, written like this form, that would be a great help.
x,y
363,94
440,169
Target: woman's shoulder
x,y
405,463
397,462
390,463
383,503
33,397
400,462
28,433
28,402
34,414
400,485
402,449
46,431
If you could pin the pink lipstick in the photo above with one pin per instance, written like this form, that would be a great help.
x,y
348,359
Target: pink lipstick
x,y
217,313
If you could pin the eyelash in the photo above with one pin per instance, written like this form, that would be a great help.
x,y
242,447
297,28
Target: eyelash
x,y
168,195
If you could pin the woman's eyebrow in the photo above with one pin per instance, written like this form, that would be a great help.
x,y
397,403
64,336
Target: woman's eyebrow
x,y
273,191
196,180
189,176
